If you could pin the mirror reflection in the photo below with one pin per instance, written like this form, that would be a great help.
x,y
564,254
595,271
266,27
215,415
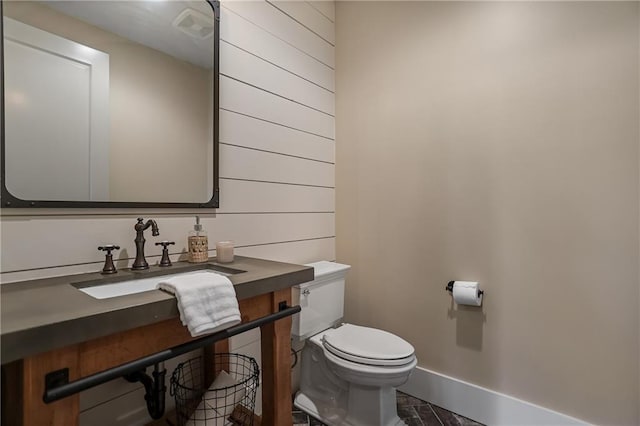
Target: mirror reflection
x,y
109,100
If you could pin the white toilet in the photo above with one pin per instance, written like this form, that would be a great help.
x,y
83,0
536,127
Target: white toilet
x,y
349,374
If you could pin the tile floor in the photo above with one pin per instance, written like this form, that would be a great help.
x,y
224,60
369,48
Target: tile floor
x,y
413,411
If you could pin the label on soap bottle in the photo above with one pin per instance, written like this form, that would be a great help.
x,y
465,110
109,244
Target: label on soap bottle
x,y
198,248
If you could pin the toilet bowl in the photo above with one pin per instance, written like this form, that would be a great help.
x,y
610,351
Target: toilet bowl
x,y
349,373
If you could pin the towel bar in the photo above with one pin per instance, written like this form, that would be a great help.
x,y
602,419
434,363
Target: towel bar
x,y
57,388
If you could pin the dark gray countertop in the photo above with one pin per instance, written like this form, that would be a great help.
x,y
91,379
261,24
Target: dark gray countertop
x,y
45,314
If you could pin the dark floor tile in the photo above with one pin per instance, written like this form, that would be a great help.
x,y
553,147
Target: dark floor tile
x,y
409,415
452,419
446,417
413,421
427,415
467,422
414,412
300,418
315,422
404,399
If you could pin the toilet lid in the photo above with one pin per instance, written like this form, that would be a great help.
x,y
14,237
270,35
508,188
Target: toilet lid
x,y
366,345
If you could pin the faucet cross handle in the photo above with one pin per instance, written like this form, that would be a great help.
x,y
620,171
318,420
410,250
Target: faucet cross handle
x,y
165,261
109,267
108,248
165,243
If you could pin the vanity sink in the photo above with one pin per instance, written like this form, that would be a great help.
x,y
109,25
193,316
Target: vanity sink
x,y
100,290
52,325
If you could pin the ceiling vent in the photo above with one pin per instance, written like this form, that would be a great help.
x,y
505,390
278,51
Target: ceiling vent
x,y
195,24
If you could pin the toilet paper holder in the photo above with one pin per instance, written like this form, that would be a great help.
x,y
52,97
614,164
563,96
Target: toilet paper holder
x,y
449,288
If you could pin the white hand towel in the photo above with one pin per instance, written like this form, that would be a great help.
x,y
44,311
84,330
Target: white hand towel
x,y
207,301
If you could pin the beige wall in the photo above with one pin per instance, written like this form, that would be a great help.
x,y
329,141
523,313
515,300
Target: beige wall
x,y
496,142
159,112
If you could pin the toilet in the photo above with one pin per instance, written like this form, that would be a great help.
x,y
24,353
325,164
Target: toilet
x,y
349,373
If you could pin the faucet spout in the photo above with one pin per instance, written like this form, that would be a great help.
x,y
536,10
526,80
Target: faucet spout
x,y
154,227
140,262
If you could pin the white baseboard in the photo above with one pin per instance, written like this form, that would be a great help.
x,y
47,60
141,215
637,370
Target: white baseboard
x,y
480,404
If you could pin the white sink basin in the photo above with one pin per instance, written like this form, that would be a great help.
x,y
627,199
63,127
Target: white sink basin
x,y
123,288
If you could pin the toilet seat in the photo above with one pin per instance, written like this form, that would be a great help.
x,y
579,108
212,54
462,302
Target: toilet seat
x,y
368,346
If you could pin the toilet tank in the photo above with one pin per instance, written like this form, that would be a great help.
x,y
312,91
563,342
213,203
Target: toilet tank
x,y
321,300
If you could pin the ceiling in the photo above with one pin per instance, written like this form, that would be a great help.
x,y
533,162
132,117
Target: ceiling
x,y
146,22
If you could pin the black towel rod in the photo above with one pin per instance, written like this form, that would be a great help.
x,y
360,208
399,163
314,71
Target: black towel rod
x,y
54,393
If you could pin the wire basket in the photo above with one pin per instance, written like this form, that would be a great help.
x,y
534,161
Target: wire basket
x,y
229,400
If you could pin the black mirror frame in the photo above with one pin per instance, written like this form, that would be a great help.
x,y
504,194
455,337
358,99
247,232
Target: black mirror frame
x,y
8,200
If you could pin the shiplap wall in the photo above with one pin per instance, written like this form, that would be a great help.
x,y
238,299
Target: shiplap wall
x,y
276,174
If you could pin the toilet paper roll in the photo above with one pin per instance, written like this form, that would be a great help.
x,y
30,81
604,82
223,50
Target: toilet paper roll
x,y
467,293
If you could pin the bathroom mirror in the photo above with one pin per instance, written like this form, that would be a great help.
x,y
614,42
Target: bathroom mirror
x,y
110,103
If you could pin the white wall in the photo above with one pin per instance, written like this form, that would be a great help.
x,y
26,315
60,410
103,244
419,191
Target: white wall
x,y
276,173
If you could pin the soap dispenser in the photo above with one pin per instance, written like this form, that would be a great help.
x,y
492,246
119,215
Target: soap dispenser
x,y
198,243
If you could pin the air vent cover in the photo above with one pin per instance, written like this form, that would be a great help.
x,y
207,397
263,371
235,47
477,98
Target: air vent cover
x,y
195,24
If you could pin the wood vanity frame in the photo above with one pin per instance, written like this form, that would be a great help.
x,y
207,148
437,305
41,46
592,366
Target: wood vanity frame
x,y
23,383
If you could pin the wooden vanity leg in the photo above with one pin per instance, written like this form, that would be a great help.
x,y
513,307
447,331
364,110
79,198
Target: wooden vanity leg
x,y
11,410
276,366
35,412
211,369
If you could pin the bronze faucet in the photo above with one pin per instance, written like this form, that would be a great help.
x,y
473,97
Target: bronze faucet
x,y
141,262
